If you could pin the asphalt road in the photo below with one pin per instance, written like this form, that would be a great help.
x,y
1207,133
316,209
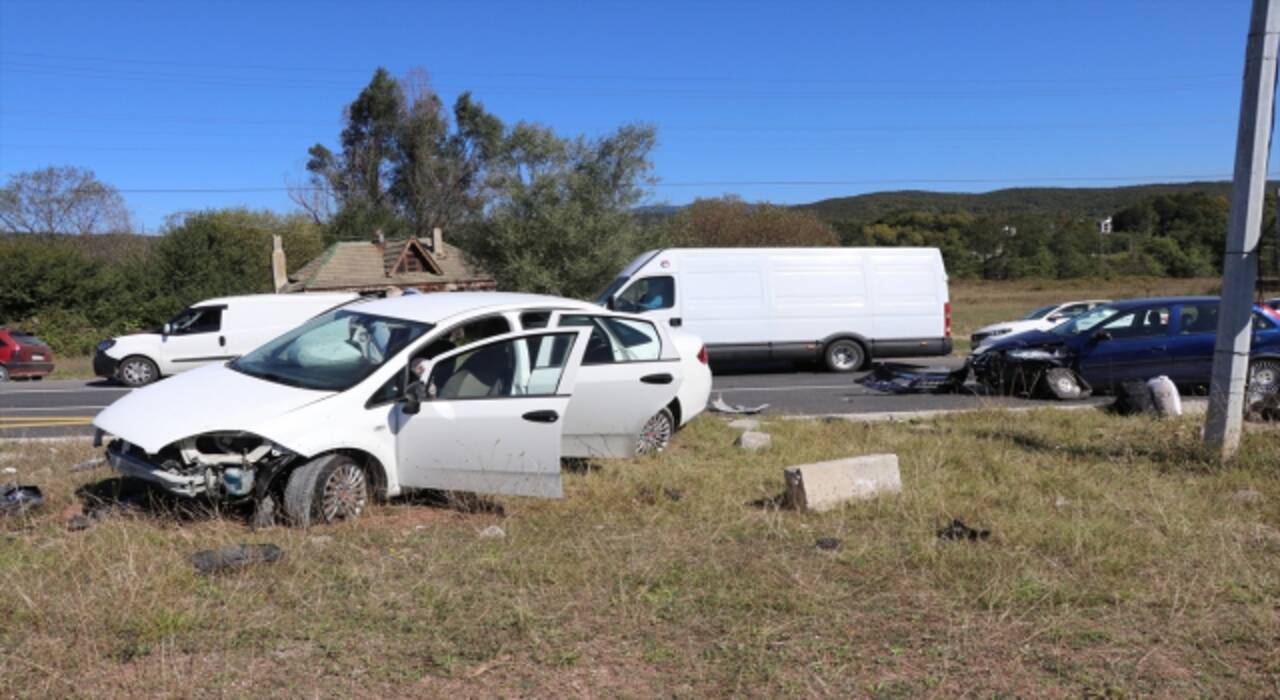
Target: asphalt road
x,y
64,408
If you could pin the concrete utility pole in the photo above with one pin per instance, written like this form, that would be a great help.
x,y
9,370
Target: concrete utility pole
x,y
1240,262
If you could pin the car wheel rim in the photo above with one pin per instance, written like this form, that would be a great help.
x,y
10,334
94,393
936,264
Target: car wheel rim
x,y
1066,386
345,493
1265,380
656,434
137,372
844,357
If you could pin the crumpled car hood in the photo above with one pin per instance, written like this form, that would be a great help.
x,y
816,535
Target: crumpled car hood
x,y
208,399
1029,339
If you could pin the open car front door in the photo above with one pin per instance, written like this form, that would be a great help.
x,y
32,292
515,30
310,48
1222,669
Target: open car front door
x,y
492,414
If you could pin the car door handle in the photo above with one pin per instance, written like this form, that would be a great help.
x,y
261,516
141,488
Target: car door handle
x,y
676,322
657,378
542,416
222,341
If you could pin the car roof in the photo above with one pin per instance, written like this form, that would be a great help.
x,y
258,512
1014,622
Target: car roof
x,y
1130,303
319,297
435,307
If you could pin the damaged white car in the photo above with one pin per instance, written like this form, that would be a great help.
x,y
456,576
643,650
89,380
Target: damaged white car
x,y
465,391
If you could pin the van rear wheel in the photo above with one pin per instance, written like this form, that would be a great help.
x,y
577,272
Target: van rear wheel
x,y
845,355
137,371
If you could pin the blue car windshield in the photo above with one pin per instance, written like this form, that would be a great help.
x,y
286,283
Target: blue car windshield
x,y
1040,312
1085,322
331,352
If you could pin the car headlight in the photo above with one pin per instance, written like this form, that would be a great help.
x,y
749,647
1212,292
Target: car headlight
x,y
106,344
1035,354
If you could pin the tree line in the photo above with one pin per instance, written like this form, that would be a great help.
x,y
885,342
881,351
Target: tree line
x,y
542,211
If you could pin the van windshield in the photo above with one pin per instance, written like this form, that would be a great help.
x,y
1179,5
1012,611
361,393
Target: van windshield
x,y
602,299
331,352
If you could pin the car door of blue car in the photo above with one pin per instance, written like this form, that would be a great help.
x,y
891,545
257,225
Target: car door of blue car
x,y
1191,344
1134,344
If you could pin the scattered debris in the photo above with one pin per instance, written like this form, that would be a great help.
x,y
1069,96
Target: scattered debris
x,y
80,522
753,441
1133,398
650,495
1247,496
493,532
957,530
1061,502
8,470
16,499
1164,396
320,539
88,464
234,557
719,406
771,502
899,378
822,486
744,424
828,543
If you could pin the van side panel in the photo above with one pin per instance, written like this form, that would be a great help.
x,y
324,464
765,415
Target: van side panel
x,y
787,302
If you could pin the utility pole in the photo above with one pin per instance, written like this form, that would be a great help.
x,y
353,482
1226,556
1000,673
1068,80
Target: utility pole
x,y
1244,230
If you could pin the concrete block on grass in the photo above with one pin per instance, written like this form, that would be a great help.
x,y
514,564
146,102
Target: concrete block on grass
x,y
822,486
753,441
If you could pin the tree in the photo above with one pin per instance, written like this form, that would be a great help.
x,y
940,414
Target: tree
x,y
405,166
228,251
61,200
561,219
730,222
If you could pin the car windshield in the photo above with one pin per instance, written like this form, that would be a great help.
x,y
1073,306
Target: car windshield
x,y
1039,313
1085,321
331,352
604,296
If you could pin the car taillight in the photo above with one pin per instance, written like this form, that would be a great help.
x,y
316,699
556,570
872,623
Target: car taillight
x,y
702,355
946,318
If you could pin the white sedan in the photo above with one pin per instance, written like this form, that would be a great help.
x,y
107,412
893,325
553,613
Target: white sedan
x,y
1042,319
464,391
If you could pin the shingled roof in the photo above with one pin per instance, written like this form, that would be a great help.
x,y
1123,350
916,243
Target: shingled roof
x,y
371,266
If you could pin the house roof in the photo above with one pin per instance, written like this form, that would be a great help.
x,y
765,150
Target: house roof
x,y
364,264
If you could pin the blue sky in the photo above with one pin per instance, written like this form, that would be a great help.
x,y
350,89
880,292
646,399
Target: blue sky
x,y
780,101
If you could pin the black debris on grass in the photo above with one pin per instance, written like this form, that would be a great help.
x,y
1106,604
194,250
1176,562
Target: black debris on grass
x,y
957,530
234,557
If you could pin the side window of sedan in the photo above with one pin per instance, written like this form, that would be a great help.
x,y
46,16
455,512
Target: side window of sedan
x,y
465,334
498,369
616,340
1195,319
1142,323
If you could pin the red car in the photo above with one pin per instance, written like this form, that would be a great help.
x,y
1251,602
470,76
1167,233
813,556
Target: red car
x,y
23,355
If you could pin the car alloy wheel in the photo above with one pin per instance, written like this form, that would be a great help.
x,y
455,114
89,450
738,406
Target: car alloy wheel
x,y
346,491
845,356
137,371
656,434
1264,379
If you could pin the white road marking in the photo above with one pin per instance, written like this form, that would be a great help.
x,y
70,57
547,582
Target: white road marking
x,y
12,409
64,391
800,388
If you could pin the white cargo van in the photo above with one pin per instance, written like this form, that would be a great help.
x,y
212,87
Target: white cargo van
x,y
214,330
843,306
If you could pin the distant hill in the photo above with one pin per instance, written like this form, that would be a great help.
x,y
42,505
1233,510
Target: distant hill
x,y
1073,201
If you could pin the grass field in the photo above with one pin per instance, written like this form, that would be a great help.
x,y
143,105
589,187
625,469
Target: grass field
x,y
1120,564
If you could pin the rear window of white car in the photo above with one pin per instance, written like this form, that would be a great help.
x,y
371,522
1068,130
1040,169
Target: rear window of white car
x,y
615,340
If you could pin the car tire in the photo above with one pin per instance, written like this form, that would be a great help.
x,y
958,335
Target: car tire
x,y
656,433
1264,380
4,374
325,490
844,355
1063,384
137,370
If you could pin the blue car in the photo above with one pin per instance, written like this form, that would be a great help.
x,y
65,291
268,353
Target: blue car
x,y
1128,340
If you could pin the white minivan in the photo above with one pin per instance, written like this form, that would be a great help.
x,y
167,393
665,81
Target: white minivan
x,y
842,306
213,330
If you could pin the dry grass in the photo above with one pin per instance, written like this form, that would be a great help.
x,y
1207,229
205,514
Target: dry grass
x,y
74,367
975,304
1120,564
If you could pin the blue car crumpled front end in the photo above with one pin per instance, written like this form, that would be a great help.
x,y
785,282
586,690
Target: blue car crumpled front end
x,y
1033,364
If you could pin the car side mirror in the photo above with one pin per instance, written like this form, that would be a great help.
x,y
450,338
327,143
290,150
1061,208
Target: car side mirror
x,y
414,395
1056,318
1100,336
166,329
610,304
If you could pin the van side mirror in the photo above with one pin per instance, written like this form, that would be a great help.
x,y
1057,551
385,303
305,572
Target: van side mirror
x,y
167,328
414,395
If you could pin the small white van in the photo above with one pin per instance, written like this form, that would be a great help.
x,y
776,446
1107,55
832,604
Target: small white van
x,y
842,306
214,330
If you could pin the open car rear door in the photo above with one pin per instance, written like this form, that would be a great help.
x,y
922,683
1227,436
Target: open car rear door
x,y
492,419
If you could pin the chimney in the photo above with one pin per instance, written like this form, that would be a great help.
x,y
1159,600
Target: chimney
x,y
379,239
437,243
279,272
